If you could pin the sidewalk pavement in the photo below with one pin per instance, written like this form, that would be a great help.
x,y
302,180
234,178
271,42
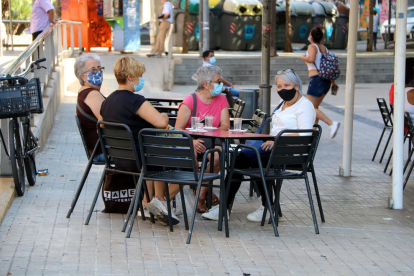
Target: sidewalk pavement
x,y
361,236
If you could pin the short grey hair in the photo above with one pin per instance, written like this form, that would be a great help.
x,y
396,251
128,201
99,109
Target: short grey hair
x,y
290,77
80,65
206,73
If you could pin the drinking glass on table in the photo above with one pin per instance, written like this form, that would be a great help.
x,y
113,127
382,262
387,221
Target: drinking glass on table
x,y
237,123
194,122
209,121
199,126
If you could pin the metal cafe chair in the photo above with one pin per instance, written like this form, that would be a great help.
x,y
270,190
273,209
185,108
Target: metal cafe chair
x,y
410,130
117,142
287,151
173,152
237,109
386,118
87,169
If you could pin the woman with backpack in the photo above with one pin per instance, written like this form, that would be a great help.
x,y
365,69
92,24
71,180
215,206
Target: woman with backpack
x,y
318,87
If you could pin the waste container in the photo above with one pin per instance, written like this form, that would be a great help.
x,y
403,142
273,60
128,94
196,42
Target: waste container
x,y
240,25
251,97
302,15
326,15
341,40
280,25
192,25
96,32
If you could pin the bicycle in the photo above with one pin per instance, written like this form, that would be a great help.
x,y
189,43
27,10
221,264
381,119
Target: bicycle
x,y
19,98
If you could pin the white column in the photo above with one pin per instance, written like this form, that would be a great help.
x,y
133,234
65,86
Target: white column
x,y
399,85
350,89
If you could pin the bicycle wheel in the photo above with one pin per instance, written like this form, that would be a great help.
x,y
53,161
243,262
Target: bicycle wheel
x,y
16,157
30,167
29,160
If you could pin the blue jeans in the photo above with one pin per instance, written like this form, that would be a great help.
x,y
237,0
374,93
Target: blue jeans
x,y
99,158
318,87
234,92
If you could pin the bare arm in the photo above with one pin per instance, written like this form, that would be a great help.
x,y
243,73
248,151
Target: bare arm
x,y
51,14
226,83
410,96
225,119
152,116
94,100
183,116
312,55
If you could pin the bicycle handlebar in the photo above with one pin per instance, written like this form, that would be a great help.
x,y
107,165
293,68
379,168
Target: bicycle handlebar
x,y
29,68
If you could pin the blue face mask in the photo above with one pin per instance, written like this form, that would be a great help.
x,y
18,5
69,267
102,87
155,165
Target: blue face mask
x,y
213,60
309,40
95,78
218,89
138,87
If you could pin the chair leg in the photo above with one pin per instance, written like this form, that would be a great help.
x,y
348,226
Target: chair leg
x,y
131,224
408,161
315,185
169,207
408,174
98,191
131,207
386,146
184,207
269,204
388,162
251,189
194,212
80,187
315,223
379,143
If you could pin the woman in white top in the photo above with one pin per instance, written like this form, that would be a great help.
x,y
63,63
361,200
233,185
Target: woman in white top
x,y
318,87
296,112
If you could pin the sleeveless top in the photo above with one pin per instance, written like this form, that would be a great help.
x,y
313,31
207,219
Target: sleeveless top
x,y
407,106
88,126
311,65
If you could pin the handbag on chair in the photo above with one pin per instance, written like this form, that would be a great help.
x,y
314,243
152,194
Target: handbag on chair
x,y
251,154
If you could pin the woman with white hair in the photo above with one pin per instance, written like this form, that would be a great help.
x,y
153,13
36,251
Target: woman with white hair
x,y
90,74
294,112
209,101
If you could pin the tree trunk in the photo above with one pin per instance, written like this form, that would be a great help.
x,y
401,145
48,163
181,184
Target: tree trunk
x,y
288,40
273,46
185,27
370,26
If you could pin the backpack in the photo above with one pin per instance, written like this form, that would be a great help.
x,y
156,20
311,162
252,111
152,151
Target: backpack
x,y
329,66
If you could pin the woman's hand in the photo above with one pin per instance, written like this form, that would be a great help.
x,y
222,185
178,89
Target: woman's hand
x,y
199,146
268,145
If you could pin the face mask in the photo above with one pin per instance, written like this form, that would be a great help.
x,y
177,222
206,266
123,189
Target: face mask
x,y
309,40
213,60
138,87
95,78
218,88
287,94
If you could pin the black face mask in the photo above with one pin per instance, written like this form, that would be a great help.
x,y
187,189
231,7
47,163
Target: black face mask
x,y
287,94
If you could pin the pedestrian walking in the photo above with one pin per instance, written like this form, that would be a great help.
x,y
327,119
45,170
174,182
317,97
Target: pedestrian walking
x,y
166,19
42,16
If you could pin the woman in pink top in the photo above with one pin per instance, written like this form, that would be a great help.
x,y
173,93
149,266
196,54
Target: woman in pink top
x,y
210,101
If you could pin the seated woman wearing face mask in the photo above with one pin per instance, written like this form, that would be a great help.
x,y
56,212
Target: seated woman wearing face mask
x,y
210,101
295,112
89,72
126,107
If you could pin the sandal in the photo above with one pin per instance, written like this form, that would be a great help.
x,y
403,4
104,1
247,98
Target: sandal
x,y
214,199
201,204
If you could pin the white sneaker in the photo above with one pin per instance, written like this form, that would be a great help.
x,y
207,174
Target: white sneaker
x,y
176,211
213,213
146,213
257,215
160,211
334,128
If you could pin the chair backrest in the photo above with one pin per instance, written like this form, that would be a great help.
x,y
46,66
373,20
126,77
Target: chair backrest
x,y
167,148
238,108
293,150
117,142
318,138
410,125
385,113
258,117
85,146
